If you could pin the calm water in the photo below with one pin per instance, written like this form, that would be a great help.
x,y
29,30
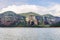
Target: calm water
x,y
29,33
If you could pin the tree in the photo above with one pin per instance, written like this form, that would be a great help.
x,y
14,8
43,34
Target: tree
x,y
55,24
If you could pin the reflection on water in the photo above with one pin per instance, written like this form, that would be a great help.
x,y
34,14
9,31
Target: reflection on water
x,y
29,33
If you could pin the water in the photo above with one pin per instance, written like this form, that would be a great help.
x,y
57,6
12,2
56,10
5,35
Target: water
x,y
29,33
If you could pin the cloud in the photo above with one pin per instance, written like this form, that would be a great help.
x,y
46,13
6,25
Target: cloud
x,y
25,8
53,10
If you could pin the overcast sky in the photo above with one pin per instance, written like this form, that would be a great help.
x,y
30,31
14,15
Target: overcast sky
x,y
38,6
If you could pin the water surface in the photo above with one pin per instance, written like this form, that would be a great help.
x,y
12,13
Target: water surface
x,y
29,33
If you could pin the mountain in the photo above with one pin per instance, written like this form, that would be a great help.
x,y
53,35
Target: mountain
x,y
51,17
57,19
48,15
29,13
9,13
10,17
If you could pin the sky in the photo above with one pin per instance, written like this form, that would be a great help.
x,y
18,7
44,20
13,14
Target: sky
x,y
38,6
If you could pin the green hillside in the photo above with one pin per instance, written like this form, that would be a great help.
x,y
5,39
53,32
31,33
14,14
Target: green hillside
x,y
29,13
